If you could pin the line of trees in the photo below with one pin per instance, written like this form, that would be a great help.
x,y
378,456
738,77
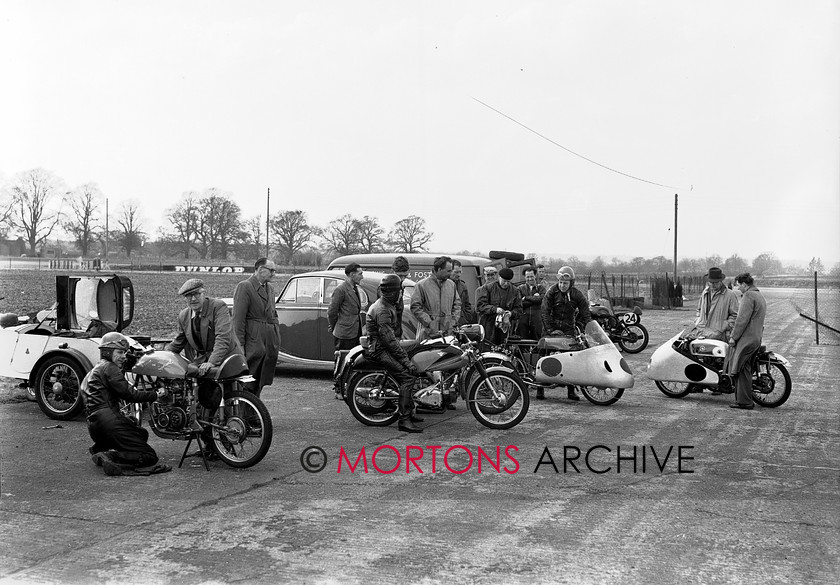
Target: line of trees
x,y
210,225
207,225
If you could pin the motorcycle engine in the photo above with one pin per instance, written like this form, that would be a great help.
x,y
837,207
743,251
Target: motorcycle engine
x,y
429,393
170,412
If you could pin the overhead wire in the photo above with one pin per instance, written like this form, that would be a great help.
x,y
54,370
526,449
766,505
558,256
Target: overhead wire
x,y
594,162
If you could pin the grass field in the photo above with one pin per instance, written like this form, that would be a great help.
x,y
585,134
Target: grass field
x,y
156,300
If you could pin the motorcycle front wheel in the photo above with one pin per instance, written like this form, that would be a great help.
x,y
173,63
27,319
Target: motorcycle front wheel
x,y
373,398
601,396
771,385
246,431
673,389
504,412
634,338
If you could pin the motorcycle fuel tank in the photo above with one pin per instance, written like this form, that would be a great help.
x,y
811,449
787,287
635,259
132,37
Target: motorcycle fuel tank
x,y
601,366
669,365
163,364
443,359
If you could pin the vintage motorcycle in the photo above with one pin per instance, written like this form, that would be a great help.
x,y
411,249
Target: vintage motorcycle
x,y
624,327
495,395
588,361
241,425
685,361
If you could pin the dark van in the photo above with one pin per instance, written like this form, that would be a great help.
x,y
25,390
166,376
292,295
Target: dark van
x,y
421,265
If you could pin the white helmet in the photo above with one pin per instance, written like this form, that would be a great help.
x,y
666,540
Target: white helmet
x,y
567,270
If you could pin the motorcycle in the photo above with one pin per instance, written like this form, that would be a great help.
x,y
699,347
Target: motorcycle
x,y
240,427
495,395
624,327
686,362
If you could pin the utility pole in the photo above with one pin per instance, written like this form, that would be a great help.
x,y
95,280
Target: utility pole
x,y
267,207
676,200
106,230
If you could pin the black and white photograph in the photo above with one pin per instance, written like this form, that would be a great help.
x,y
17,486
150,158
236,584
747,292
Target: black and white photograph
x,y
433,292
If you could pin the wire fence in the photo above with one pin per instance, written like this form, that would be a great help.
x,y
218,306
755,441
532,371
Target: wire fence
x,y
820,305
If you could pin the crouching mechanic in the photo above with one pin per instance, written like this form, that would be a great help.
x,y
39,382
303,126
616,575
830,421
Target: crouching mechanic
x,y
384,347
120,447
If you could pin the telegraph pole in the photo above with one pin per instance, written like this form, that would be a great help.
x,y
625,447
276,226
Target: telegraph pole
x,y
676,200
267,200
106,230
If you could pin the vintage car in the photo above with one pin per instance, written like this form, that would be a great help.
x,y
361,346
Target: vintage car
x,y
54,353
302,306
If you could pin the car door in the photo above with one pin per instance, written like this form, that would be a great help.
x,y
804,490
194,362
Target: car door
x,y
327,339
298,309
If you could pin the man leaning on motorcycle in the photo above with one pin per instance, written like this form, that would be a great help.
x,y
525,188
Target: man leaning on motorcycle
x,y
384,347
563,308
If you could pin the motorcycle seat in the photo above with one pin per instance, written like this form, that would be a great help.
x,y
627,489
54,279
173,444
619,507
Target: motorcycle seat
x,y
599,311
365,364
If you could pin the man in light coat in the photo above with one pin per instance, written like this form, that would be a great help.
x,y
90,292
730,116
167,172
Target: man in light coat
x,y
745,339
255,323
717,308
435,301
345,305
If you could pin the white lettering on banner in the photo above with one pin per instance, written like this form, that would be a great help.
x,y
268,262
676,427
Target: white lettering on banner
x,y
209,269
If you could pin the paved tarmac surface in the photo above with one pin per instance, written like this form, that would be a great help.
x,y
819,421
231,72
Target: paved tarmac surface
x,y
760,506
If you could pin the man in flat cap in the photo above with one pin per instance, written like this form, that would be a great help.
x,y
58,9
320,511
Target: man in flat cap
x,y
206,338
204,330
255,323
717,308
498,304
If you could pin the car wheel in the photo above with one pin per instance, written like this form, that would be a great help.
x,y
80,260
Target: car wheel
x,y
58,387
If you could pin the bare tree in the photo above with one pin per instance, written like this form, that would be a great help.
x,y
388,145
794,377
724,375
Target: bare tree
x,y
342,235
293,232
130,235
83,222
34,210
183,219
766,263
253,237
409,235
219,226
370,235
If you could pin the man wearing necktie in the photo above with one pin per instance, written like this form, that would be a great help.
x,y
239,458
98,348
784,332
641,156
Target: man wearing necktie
x,y
255,323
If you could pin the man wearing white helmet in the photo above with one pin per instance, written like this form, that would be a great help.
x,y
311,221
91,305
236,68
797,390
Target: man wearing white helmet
x,y
120,446
564,307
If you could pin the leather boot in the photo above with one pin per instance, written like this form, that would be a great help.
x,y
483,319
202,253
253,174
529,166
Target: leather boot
x,y
540,394
573,395
407,426
414,418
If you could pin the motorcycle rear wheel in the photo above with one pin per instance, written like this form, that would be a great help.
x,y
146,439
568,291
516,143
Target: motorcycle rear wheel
x,y
601,396
488,410
673,389
634,338
248,430
781,385
373,398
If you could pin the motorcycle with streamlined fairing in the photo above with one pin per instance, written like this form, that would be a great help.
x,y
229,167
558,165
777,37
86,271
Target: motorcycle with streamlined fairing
x,y
588,360
495,395
686,362
624,327
240,425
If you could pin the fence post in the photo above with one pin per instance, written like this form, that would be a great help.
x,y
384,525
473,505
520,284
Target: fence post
x,y
816,309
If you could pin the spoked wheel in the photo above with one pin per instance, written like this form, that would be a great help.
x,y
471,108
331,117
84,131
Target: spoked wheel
x,y
373,398
244,430
58,387
771,385
503,409
634,338
601,396
673,389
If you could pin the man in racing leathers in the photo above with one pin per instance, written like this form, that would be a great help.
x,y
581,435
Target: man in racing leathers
x,y
384,347
120,446
563,308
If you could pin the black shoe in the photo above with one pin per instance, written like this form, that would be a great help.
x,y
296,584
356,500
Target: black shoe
x,y
540,394
573,395
742,406
431,409
716,393
695,389
101,457
408,427
450,406
415,418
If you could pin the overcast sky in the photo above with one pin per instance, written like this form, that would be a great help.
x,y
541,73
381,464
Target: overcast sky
x,y
370,108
